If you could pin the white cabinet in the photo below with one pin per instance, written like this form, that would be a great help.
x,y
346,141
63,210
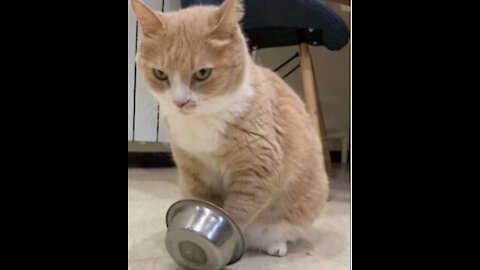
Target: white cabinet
x,y
131,71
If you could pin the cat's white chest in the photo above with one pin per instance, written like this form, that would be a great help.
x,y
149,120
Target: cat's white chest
x,y
201,137
197,136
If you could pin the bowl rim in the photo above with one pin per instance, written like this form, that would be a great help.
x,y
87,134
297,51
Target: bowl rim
x,y
218,210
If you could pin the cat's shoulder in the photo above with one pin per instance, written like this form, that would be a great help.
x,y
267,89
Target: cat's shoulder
x,y
269,81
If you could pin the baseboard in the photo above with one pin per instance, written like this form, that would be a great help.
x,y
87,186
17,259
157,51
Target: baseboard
x,y
150,160
164,159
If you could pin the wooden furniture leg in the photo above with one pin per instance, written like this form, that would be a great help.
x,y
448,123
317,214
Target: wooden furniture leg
x,y
312,100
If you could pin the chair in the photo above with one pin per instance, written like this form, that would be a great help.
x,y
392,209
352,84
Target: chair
x,y
275,23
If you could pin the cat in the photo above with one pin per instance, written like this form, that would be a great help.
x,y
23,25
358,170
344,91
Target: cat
x,y
240,136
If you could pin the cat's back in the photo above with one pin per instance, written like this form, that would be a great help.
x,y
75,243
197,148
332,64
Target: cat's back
x,y
293,127
302,162
268,83
285,102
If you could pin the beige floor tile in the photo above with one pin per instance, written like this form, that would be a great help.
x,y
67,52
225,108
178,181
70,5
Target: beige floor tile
x,y
326,246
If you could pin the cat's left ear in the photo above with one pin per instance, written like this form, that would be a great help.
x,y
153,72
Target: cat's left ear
x,y
149,20
227,17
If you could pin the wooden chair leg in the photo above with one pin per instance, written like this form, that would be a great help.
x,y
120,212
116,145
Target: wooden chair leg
x,y
312,100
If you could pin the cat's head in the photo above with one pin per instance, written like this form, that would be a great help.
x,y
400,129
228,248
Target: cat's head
x,y
194,60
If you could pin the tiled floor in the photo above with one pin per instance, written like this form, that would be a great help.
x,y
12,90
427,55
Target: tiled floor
x,y
150,192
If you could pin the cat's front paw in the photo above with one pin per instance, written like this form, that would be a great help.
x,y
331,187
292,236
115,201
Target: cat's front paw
x,y
277,249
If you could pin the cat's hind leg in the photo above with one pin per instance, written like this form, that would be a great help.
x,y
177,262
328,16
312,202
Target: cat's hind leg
x,y
271,238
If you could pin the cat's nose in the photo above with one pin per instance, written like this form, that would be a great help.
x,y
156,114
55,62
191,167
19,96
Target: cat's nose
x,y
180,103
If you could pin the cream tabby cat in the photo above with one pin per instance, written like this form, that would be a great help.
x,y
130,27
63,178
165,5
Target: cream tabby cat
x,y
240,136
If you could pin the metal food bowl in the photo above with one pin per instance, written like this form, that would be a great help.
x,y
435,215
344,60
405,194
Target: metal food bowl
x,y
201,236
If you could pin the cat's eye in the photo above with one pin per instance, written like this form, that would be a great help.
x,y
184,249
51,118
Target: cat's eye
x,y
160,75
202,74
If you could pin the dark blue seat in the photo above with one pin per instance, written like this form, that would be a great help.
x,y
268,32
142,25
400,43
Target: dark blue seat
x,y
274,23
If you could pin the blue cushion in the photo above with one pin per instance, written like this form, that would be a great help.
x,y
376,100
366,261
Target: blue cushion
x,y
273,22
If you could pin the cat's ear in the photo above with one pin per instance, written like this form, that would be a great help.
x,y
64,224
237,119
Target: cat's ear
x,y
149,20
227,17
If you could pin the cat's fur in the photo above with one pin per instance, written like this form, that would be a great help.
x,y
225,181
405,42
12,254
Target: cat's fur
x,y
244,141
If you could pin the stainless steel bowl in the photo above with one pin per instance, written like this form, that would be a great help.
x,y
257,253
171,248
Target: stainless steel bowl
x,y
201,236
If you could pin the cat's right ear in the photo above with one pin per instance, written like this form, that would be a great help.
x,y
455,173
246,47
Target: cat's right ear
x,y
227,16
149,20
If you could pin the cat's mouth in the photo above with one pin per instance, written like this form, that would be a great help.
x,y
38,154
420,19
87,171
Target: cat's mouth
x,y
188,108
